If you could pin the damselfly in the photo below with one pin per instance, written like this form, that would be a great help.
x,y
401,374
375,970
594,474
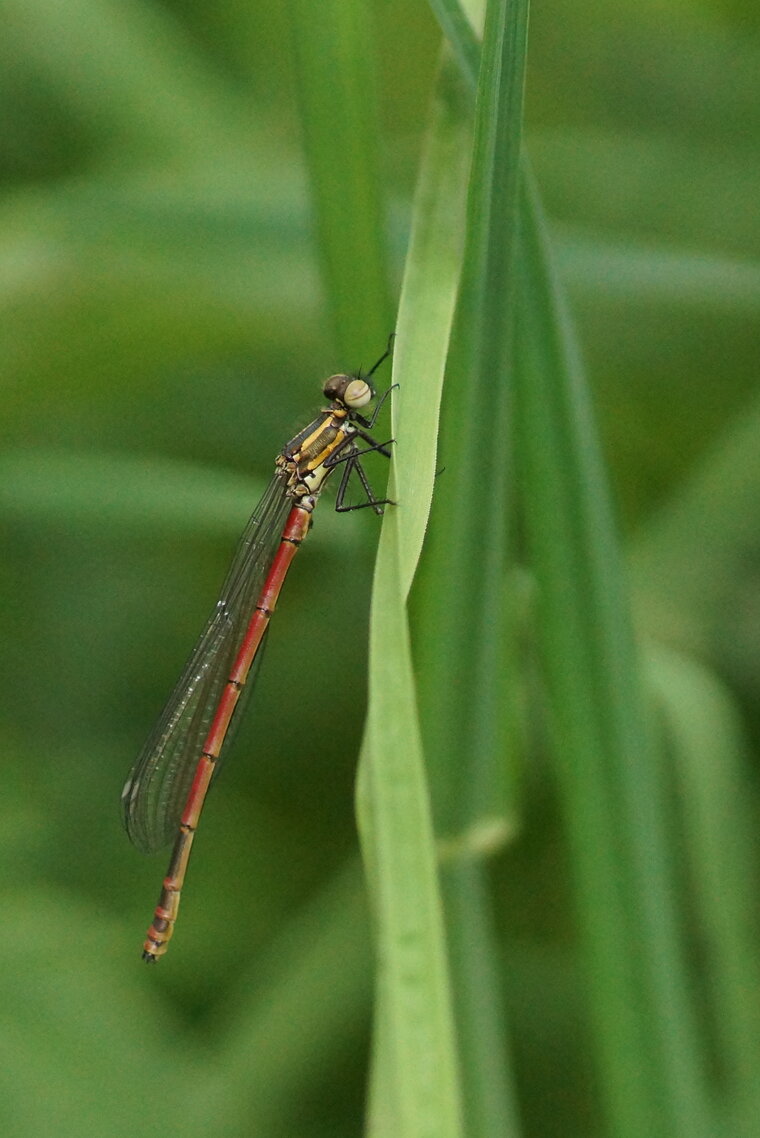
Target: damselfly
x,y
164,794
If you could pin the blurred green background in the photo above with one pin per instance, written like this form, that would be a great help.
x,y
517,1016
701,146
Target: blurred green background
x,y
163,330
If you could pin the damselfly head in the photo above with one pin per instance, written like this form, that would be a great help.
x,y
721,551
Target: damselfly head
x,y
350,390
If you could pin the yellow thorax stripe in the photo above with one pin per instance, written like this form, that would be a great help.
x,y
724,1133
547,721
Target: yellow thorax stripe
x,y
328,448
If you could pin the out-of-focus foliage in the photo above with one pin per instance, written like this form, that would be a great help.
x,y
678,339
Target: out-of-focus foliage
x,y
163,329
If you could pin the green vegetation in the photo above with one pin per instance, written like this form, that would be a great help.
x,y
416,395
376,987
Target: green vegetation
x,y
552,685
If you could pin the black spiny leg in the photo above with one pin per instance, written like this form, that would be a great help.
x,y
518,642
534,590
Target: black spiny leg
x,y
350,456
368,424
353,452
384,356
352,463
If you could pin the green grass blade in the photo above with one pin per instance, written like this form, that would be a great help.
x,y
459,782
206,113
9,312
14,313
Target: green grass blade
x,y
460,626
128,72
690,558
426,310
340,132
415,1087
123,493
459,32
707,741
415,1083
657,274
611,782
458,611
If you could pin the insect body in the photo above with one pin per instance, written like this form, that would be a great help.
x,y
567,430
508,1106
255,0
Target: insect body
x,y
165,792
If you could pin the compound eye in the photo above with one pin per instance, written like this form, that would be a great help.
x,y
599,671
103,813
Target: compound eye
x,y
335,387
358,393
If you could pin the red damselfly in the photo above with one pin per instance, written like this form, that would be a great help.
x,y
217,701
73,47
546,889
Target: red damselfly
x,y
164,794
